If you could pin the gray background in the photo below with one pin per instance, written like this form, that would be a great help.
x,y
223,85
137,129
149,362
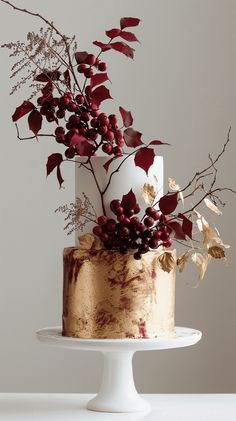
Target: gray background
x,y
181,88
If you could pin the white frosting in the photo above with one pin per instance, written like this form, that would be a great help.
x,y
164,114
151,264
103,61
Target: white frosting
x,y
128,177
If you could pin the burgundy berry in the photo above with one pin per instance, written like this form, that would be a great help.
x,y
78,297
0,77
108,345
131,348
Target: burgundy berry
x,y
59,130
85,116
80,99
164,236
148,221
124,231
50,116
74,119
60,113
121,218
111,225
64,100
153,243
117,151
88,72
104,236
110,136
134,221
97,230
90,59
94,122
102,220
95,113
70,153
155,215
104,120
137,256
157,234
102,130
72,106
137,208
149,210
126,220
113,119
102,66
115,203
92,134
119,210
119,134
167,243
60,138
120,142
81,68
129,212
107,148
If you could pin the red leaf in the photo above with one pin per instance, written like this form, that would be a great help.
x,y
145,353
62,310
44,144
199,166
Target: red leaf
x,y
123,48
112,33
98,79
35,121
128,36
50,75
178,231
102,45
129,200
47,89
187,225
126,117
108,163
168,203
144,158
128,22
85,148
66,75
100,94
132,137
81,56
76,139
54,161
23,109
158,142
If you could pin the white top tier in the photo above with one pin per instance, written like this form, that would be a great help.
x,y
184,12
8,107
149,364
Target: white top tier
x,y
128,177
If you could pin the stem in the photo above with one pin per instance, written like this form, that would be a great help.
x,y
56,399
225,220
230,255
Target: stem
x,y
117,170
31,137
98,187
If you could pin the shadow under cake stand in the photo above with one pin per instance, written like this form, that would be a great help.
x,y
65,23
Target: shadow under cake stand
x,y
117,392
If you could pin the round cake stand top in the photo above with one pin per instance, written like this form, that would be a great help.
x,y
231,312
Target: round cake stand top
x,y
117,392
184,337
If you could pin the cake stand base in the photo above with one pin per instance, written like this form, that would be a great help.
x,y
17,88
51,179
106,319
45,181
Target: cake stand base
x,y
117,392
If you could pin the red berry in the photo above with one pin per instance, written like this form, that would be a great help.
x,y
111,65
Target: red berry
x,y
72,106
124,231
104,236
80,99
70,153
121,218
167,243
88,72
102,220
64,100
97,230
119,134
134,221
104,120
74,119
107,148
81,68
149,210
115,203
137,208
102,66
129,212
59,130
111,225
117,151
153,243
119,210
50,116
60,138
164,236
120,142
92,134
60,113
90,59
109,136
148,221
94,113
126,220
155,215
102,130
85,116
157,234
113,119
94,122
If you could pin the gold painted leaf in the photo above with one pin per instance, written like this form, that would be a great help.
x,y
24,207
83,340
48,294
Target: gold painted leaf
x,y
211,206
148,194
217,252
167,262
182,260
201,261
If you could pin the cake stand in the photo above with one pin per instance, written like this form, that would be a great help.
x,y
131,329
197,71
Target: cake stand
x,y
117,392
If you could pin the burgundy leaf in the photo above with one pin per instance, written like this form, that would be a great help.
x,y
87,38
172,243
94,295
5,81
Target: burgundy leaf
x,y
101,93
98,79
126,117
132,138
187,225
108,163
178,231
168,203
123,48
47,89
129,200
158,142
35,121
66,75
23,109
128,36
76,139
102,45
144,158
54,161
85,148
50,75
112,33
81,56
128,22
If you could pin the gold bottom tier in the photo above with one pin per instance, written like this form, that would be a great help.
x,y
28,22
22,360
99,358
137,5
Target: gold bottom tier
x,y
107,294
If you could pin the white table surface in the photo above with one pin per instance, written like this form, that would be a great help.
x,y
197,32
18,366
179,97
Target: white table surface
x,y
176,407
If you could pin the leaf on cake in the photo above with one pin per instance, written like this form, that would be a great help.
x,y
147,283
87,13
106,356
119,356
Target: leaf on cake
x,y
144,158
212,206
148,194
129,200
167,262
182,260
217,252
201,261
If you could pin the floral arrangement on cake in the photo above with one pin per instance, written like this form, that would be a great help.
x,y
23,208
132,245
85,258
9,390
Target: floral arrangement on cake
x,y
69,87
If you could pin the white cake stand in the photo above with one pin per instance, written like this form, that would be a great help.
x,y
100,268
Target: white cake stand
x,y
117,391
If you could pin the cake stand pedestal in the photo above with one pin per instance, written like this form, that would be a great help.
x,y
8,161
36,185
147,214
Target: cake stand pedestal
x,y
117,392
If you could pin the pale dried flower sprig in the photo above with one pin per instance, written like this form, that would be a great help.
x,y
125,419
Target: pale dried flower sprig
x,y
43,51
78,214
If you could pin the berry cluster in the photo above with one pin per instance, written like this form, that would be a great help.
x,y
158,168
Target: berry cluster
x,y
91,62
128,231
